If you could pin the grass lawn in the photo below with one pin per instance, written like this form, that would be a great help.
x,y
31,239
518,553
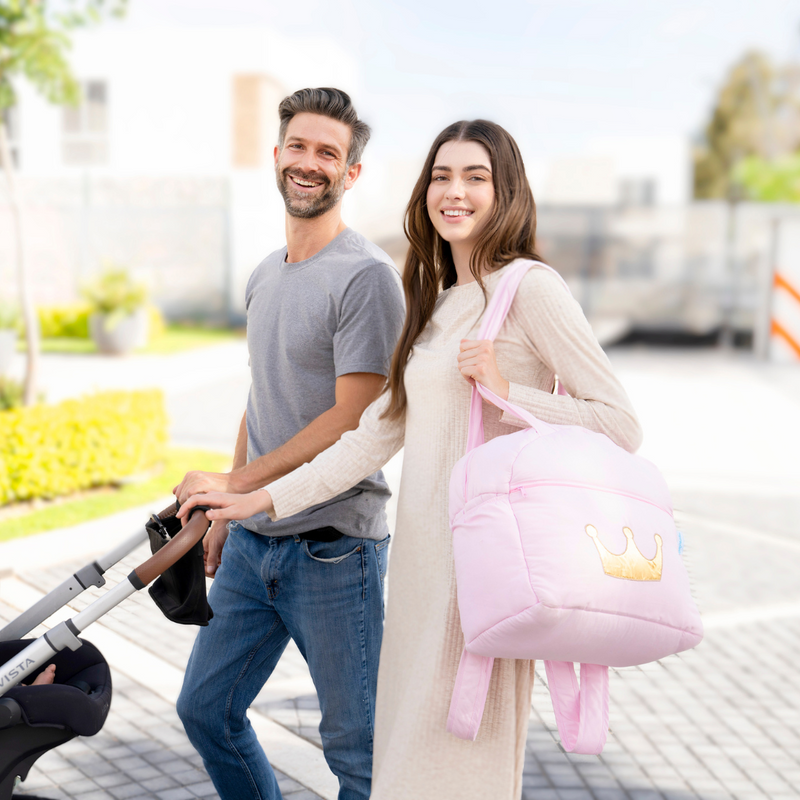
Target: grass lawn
x,y
175,339
44,516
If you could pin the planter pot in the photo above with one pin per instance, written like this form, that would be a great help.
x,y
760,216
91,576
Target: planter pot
x,y
8,346
127,334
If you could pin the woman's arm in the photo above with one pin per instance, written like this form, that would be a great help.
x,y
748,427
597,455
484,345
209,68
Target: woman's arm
x,y
553,325
356,455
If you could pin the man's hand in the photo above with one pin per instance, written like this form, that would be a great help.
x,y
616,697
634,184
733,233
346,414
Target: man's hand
x,y
213,542
197,482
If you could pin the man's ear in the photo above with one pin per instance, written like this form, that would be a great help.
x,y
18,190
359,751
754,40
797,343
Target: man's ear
x,y
276,154
352,176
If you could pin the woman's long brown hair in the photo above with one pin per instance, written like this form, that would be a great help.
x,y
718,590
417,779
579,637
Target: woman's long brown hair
x,y
509,233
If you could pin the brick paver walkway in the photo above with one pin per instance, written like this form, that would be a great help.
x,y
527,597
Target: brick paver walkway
x,y
722,721
142,751
719,722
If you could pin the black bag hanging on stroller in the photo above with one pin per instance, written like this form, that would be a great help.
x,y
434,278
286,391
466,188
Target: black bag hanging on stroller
x,y
180,591
35,719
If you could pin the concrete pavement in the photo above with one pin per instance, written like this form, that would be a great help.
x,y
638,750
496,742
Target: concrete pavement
x,y
722,721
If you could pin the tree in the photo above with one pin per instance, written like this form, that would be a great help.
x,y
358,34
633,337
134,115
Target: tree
x,y
769,181
757,114
34,41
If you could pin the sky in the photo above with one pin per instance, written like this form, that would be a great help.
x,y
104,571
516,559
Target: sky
x,y
556,74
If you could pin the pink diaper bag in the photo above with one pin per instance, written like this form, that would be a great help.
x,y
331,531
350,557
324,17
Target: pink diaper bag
x,y
565,550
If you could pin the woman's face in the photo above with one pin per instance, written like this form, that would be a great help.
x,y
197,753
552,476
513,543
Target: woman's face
x,y
461,193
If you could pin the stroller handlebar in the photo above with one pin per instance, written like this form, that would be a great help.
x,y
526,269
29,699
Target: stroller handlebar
x,y
180,544
41,650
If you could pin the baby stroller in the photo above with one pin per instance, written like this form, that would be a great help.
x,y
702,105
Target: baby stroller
x,y
35,719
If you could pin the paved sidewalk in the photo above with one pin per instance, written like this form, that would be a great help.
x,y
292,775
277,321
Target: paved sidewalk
x,y
142,751
719,722
722,721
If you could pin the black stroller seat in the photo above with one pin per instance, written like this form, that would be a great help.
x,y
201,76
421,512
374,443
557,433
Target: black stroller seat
x,y
34,719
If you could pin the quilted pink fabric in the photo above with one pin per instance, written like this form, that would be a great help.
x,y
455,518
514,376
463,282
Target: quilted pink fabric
x,y
565,550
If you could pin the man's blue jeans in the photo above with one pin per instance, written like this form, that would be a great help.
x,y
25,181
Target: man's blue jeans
x,y
328,597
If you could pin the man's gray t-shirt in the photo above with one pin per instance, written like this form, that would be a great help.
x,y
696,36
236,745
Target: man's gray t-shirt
x,y
338,312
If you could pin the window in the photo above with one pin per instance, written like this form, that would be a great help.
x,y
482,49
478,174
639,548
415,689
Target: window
x,y
637,192
11,121
85,127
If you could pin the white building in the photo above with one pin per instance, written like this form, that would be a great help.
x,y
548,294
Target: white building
x,y
166,167
619,171
167,164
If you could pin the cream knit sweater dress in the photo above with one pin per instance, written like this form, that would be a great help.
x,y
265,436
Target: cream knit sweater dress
x,y
545,334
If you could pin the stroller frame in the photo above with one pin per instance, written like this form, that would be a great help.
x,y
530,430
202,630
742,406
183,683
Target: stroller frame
x,y
90,575
21,744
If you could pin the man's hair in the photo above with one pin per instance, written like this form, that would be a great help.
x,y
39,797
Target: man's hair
x,y
333,103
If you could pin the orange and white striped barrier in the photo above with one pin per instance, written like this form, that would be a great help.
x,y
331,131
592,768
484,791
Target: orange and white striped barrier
x,y
785,323
777,324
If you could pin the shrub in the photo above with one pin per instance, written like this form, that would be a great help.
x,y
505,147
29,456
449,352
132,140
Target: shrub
x,y
114,291
11,392
51,450
58,321
72,321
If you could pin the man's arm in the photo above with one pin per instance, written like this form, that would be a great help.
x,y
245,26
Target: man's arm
x,y
354,392
240,451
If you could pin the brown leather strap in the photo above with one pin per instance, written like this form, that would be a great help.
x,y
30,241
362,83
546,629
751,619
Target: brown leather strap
x,y
168,512
179,545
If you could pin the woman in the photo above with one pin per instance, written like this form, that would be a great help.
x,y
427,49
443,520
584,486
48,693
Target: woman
x,y
471,214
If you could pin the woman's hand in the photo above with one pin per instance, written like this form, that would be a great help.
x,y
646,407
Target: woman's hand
x,y
477,362
226,506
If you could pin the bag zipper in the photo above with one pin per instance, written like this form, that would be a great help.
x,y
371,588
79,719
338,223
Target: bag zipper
x,y
575,485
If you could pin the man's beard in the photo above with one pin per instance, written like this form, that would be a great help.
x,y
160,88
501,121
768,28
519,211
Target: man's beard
x,y
308,207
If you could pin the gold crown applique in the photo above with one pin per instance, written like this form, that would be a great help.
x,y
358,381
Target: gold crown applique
x,y
630,565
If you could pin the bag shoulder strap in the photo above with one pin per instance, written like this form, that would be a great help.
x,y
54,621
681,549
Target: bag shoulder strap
x,y
469,695
503,296
581,713
493,319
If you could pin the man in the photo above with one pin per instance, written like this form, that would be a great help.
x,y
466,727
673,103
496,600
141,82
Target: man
x,y
323,316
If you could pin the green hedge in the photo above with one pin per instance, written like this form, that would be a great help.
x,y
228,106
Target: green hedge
x,y
59,321
51,450
72,321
